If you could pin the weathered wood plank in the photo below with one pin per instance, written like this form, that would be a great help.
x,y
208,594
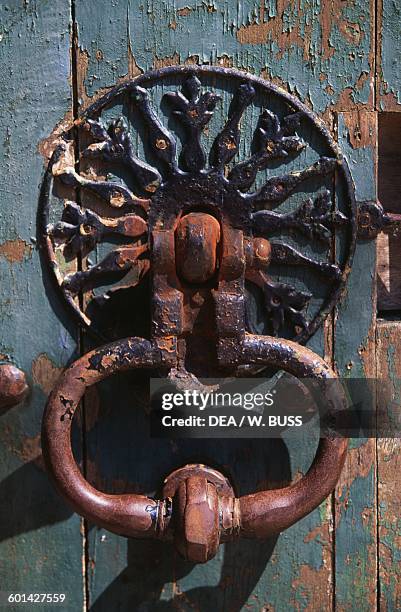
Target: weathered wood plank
x,y
388,90
323,52
389,465
40,541
354,352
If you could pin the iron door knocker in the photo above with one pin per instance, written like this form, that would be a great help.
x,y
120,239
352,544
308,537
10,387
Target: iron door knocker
x,y
209,231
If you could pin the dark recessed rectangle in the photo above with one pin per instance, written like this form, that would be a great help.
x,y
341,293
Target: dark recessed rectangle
x,y
389,191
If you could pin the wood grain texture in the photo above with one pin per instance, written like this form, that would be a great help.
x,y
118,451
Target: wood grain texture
x,y
354,353
389,465
388,89
323,52
40,541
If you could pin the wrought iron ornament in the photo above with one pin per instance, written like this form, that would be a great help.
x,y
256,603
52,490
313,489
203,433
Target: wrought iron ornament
x,y
187,180
204,225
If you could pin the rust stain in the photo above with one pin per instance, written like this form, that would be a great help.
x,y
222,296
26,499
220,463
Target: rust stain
x,y
257,33
351,31
361,127
82,56
363,77
389,463
161,62
358,464
45,373
266,74
47,145
315,584
184,11
29,450
276,28
316,534
15,250
133,69
389,102
386,100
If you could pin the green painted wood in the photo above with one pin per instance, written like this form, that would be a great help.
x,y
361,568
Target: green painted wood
x,y
388,467
330,67
40,541
324,53
354,352
389,56
321,51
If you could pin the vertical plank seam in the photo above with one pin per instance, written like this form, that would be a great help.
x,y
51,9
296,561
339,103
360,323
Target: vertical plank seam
x,y
378,5
333,343
378,596
75,112
378,8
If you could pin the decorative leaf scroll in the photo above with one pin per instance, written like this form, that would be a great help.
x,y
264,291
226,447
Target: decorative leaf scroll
x,y
194,110
273,140
227,182
225,146
117,196
284,304
160,139
80,230
114,144
315,219
277,189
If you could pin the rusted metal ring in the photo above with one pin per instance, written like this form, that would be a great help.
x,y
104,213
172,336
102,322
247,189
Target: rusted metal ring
x,y
257,515
130,515
269,512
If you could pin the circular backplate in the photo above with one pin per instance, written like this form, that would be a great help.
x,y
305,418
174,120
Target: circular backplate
x,y
249,145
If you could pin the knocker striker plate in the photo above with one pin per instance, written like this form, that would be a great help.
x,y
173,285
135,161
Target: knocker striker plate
x,y
237,238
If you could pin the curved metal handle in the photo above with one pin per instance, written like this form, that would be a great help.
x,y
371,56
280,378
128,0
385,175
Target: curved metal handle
x,y
200,510
268,512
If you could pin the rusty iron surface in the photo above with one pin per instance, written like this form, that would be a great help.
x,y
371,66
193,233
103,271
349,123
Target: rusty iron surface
x,y
13,386
201,510
192,183
372,220
201,235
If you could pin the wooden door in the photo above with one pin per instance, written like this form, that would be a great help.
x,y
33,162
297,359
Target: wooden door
x,y
341,59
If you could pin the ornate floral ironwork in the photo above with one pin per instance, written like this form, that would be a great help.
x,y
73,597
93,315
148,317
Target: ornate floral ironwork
x,y
221,182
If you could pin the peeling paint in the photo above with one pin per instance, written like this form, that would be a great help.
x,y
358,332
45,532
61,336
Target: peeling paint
x,y
361,129
133,69
45,373
15,251
161,62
